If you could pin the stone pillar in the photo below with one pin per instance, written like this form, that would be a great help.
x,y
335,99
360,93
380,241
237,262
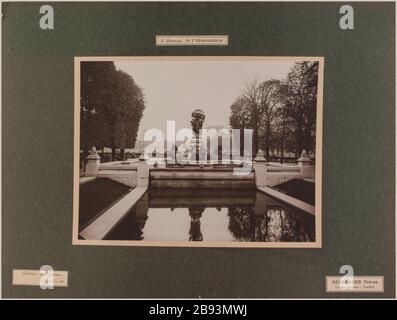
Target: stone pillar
x,y
307,169
142,176
260,169
92,166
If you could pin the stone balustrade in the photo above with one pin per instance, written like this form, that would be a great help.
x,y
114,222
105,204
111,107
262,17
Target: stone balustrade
x,y
139,173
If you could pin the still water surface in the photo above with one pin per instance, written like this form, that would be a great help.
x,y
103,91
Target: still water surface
x,y
213,215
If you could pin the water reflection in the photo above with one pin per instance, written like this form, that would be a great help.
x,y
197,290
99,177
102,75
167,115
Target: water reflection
x,y
195,224
212,215
274,225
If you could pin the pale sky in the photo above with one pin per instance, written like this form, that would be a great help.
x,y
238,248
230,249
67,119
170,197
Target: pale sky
x,y
173,89
162,224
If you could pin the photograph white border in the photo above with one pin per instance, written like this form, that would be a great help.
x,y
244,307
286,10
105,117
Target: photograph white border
x,y
203,244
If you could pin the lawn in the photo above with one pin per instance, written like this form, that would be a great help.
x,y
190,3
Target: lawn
x,y
299,189
96,196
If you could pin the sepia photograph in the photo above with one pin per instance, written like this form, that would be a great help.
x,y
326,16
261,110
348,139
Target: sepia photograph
x,y
198,151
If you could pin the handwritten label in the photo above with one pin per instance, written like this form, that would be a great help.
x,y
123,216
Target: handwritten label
x,y
33,277
199,40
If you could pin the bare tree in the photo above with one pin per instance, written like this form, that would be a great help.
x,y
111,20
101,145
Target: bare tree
x,y
302,95
269,100
280,113
251,95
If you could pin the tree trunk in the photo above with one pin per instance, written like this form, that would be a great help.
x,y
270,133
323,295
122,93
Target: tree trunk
x,y
113,153
255,142
299,143
242,153
282,145
122,154
220,150
84,156
267,141
299,138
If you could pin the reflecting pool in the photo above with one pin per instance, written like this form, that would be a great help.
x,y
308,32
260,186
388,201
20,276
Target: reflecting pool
x,y
213,215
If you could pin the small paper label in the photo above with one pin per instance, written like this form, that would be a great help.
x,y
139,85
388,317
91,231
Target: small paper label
x,y
179,40
40,278
354,284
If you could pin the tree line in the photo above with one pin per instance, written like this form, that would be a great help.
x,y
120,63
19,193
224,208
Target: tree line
x,y
111,108
281,113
